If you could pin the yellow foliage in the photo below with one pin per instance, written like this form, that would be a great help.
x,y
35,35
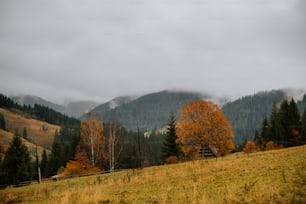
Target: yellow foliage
x,y
92,140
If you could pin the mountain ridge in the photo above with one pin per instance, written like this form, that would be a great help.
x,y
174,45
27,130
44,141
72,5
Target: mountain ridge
x,y
72,109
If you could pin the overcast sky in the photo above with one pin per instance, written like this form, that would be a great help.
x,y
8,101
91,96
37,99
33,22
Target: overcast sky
x,y
99,49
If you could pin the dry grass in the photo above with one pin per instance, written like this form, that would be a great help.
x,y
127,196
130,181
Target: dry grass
x,y
15,120
6,139
266,177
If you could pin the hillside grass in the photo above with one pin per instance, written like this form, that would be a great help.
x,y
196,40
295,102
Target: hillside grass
x,y
17,120
276,176
7,137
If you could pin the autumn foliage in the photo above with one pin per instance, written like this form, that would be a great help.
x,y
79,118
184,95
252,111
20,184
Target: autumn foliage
x,y
171,160
272,145
202,123
80,165
92,141
249,147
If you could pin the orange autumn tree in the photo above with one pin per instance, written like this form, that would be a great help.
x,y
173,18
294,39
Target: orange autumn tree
x,y
80,165
202,123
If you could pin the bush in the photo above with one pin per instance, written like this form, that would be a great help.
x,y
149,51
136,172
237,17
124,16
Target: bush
x,y
171,160
77,168
249,147
271,145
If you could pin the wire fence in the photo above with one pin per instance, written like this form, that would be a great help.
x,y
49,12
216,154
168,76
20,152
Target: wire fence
x,y
58,178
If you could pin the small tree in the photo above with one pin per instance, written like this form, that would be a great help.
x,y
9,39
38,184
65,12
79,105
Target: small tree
x,y
25,133
170,146
43,163
271,146
17,162
249,147
2,122
115,146
56,159
303,135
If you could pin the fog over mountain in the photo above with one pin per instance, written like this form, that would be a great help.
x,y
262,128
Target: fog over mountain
x,y
100,49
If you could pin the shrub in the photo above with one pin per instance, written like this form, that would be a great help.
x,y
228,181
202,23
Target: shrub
x,y
249,147
171,160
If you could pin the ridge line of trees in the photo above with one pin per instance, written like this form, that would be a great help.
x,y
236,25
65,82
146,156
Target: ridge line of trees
x,y
40,112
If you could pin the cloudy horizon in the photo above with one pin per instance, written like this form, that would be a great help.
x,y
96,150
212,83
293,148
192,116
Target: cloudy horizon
x,y
98,50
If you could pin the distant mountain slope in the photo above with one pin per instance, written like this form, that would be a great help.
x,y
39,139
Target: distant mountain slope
x,y
32,100
114,103
73,109
247,113
302,105
78,108
147,112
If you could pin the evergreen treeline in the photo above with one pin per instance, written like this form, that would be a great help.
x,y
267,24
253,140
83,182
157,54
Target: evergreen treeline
x,y
41,113
284,127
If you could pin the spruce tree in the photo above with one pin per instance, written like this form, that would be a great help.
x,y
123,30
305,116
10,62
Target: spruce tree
x,y
294,126
17,162
2,122
303,125
43,163
289,123
57,156
275,126
170,146
283,117
25,133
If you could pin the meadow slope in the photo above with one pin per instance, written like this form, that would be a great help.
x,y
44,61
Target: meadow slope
x,y
276,176
18,120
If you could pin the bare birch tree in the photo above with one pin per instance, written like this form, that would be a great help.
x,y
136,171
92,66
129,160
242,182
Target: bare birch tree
x,y
92,140
115,132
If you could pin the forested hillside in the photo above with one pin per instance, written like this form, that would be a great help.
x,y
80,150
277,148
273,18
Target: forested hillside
x,y
149,111
247,113
73,109
40,112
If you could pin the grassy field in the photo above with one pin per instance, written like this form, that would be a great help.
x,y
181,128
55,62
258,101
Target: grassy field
x,y
277,176
18,121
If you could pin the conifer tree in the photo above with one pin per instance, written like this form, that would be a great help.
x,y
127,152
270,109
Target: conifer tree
x,y
265,128
17,162
275,126
294,127
2,122
170,145
289,123
303,125
43,163
25,133
57,156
